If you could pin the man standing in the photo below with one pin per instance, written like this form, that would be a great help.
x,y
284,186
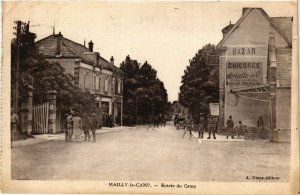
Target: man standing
x,y
94,123
77,126
201,126
212,125
69,125
230,126
188,126
86,126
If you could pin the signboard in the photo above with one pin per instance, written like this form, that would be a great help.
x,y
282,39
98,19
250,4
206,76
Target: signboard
x,y
244,73
245,65
214,109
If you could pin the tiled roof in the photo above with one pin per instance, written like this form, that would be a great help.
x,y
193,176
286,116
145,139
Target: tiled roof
x,y
69,48
284,25
48,47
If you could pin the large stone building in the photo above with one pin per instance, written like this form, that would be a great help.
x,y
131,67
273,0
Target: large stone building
x,y
90,70
255,70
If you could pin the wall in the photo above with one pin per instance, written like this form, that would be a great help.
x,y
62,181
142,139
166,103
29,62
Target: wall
x,y
283,108
247,110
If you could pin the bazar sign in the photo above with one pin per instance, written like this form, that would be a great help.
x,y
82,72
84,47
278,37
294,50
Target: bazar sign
x,y
247,51
244,73
243,51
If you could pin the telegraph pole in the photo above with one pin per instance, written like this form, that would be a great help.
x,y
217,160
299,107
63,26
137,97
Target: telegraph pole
x,y
16,92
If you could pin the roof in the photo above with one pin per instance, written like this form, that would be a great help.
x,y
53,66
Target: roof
x,y
283,25
69,49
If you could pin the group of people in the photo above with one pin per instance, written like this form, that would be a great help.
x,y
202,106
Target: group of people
x,y
210,123
76,126
157,121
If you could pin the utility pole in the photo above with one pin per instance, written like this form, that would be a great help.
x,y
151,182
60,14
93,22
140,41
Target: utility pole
x,y
18,41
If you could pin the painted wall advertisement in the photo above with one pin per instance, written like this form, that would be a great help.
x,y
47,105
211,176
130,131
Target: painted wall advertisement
x,y
245,69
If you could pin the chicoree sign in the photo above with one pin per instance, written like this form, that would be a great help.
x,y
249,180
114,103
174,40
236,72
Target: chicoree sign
x,y
243,67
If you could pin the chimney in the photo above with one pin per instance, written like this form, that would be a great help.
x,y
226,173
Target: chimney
x,y
112,60
58,45
91,44
227,29
245,9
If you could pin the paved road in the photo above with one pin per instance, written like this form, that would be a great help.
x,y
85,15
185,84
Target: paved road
x,y
141,154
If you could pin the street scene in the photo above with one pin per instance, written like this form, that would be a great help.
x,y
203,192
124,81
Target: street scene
x,y
175,92
145,154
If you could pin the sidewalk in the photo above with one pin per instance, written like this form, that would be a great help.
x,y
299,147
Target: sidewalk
x,y
222,138
61,136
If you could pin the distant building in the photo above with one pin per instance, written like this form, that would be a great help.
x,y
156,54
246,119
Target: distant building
x,y
255,70
90,70
179,109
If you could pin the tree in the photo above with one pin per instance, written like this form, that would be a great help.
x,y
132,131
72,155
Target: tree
x,y
144,94
200,82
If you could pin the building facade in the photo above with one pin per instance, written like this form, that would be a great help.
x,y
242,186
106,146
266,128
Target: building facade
x,y
91,72
255,70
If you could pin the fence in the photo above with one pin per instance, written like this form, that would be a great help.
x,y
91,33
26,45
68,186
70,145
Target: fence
x,y
40,118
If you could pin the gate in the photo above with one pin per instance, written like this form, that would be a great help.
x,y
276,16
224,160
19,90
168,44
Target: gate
x,y
40,118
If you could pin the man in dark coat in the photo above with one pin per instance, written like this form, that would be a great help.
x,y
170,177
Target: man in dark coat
x,y
212,125
86,126
230,126
94,123
202,124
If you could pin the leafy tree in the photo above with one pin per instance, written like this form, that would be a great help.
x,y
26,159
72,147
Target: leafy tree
x,y
200,82
144,94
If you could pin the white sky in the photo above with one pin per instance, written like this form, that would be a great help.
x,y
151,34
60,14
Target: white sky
x,y
165,34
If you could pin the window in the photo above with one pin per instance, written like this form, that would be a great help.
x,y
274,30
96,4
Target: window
x,y
97,81
119,86
106,83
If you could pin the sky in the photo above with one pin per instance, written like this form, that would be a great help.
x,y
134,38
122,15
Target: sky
x,y
166,34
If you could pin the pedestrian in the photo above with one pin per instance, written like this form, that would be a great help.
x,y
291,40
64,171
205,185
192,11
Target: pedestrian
x,y
161,120
66,127
100,121
260,126
201,126
230,126
77,126
110,121
164,120
212,125
188,126
14,125
240,129
94,123
69,124
175,120
86,126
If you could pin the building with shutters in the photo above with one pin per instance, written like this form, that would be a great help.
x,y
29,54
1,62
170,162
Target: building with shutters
x,y
91,71
255,70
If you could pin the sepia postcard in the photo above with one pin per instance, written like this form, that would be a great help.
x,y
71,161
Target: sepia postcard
x,y
141,97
